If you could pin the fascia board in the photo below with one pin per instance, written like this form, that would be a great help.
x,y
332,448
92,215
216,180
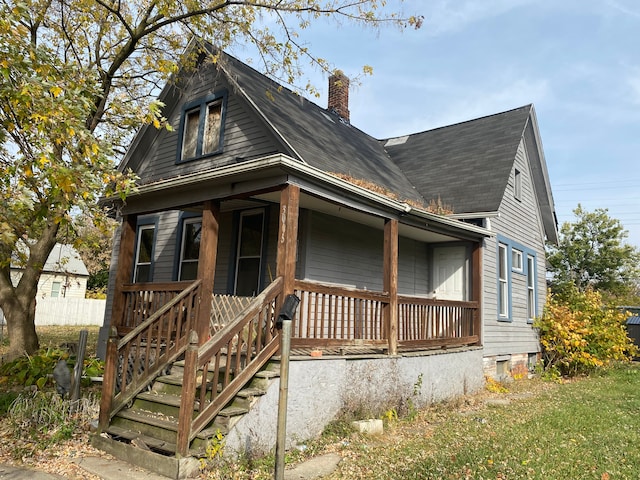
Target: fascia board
x,y
313,176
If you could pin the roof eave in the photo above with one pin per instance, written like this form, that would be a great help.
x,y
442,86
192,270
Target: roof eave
x,y
293,166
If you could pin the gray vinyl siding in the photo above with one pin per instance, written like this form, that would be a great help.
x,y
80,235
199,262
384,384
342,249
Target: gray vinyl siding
x,y
339,251
414,270
244,136
343,252
519,222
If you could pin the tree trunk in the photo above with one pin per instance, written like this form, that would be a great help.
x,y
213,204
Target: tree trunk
x,y
18,302
21,327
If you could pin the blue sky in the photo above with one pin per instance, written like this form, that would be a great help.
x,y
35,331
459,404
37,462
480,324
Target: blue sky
x,y
577,61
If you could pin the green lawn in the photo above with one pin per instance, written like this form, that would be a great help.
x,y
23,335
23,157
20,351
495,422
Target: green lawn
x,y
586,429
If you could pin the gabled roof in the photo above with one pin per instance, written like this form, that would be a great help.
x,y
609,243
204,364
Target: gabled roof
x,y
63,259
317,136
466,165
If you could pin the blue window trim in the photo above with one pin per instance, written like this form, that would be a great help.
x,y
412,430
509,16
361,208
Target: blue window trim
x,y
535,283
202,103
178,251
505,242
526,252
145,222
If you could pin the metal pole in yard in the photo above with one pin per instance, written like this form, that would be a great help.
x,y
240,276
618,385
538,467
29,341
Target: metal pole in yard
x,y
284,321
79,366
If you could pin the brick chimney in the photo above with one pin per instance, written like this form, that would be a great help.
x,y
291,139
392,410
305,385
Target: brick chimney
x,y
339,94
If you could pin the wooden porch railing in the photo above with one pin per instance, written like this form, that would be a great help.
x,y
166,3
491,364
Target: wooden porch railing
x,y
334,315
219,369
141,300
331,315
426,322
153,333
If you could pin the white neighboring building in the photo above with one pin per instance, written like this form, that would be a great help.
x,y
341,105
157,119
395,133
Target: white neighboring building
x,y
64,275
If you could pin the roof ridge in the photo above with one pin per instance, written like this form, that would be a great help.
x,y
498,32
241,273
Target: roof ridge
x,y
385,140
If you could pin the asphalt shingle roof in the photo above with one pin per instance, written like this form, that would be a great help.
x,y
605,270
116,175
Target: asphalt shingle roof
x,y
466,165
320,137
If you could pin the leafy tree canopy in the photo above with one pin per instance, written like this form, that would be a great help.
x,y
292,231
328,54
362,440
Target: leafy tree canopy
x,y
77,77
592,253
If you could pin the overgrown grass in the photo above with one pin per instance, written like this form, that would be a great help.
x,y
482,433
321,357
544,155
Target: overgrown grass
x,y
37,369
587,429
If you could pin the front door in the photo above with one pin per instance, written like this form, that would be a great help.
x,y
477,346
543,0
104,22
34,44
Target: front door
x,y
249,253
450,273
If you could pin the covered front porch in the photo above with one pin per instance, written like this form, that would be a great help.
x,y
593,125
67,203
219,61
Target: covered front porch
x,y
224,336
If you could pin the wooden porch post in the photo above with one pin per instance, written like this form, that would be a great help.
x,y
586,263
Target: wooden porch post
x,y
288,237
126,256
123,275
476,288
390,282
207,266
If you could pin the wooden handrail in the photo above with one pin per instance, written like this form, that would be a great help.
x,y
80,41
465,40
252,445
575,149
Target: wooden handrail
x,y
331,289
436,301
149,347
158,313
241,348
333,315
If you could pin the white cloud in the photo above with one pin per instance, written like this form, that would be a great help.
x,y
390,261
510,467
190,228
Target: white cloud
x,y
446,16
629,8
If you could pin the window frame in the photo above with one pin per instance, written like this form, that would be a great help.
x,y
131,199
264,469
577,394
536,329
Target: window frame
x,y
517,266
517,184
57,291
521,280
262,250
181,260
532,299
504,282
150,225
201,105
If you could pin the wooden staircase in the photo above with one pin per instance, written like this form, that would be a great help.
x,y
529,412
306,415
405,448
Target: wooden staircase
x,y
150,422
166,395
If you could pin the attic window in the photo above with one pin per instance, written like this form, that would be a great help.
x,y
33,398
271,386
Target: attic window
x,y
517,185
201,128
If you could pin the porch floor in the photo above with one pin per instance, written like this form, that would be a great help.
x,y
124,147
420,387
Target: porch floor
x,y
304,353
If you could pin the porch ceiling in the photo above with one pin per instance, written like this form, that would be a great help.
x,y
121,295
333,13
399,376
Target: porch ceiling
x,y
314,203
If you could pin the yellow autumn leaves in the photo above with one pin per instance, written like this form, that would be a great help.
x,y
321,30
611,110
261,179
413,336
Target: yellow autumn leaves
x,y
579,334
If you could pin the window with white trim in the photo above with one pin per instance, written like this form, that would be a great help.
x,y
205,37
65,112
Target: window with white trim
x,y
516,260
56,287
144,253
190,249
503,281
531,287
